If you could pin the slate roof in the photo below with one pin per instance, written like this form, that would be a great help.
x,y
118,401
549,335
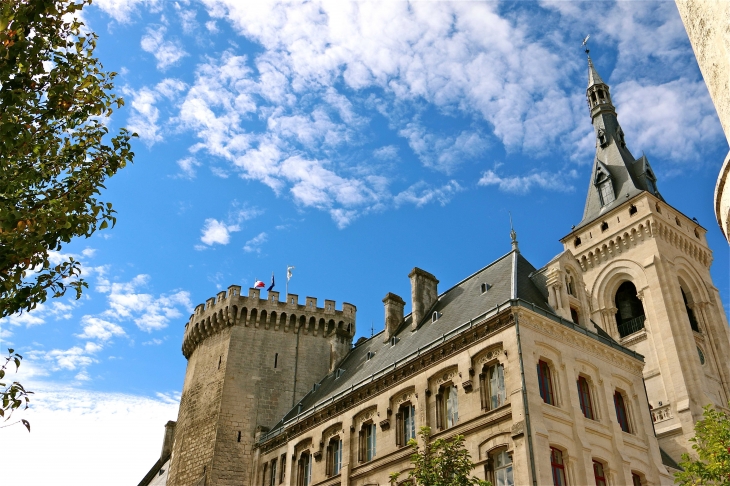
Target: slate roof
x,y
512,280
628,175
508,278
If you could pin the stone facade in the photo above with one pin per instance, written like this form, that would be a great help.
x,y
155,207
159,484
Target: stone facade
x,y
665,254
249,361
708,26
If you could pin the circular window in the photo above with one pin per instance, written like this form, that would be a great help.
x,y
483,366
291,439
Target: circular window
x,y
701,355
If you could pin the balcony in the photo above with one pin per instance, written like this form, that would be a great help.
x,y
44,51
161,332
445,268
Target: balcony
x,y
631,326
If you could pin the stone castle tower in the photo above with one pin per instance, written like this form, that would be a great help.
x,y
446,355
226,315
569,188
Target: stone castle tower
x,y
644,271
249,361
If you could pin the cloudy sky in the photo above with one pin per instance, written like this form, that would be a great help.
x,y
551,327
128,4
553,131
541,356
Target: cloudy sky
x,y
353,140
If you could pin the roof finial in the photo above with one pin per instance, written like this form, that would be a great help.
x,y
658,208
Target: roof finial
x,y
513,234
585,44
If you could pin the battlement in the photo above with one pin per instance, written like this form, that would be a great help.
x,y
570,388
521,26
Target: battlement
x,y
230,308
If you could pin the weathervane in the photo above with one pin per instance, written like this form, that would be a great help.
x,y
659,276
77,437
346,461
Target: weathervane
x,y
585,45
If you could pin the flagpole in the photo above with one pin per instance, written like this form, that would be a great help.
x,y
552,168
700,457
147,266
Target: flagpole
x,y
287,283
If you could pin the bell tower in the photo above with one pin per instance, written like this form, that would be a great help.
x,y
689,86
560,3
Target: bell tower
x,y
646,271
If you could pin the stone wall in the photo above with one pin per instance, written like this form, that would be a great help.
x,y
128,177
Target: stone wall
x,y
708,26
249,361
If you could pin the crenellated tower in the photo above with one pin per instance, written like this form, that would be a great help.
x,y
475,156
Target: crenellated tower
x,y
250,360
640,270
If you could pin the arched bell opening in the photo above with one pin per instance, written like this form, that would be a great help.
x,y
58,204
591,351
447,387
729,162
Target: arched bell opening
x,y
630,314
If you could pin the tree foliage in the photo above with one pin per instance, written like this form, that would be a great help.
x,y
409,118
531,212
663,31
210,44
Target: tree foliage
x,y
711,443
440,463
14,395
55,148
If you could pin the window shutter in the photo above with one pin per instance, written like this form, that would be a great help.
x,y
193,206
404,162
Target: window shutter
x,y
483,392
361,445
328,461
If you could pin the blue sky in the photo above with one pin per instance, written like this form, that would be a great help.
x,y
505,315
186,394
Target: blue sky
x,y
354,141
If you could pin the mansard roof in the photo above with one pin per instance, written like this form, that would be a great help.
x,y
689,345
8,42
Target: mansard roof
x,y
508,278
512,280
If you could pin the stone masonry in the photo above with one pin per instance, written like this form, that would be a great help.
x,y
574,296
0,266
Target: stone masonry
x,y
249,361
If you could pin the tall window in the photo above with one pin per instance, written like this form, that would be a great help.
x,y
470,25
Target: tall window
x,y
501,463
451,401
263,476
584,394
366,450
630,315
690,313
621,415
558,467
605,190
305,470
492,386
334,457
282,474
599,474
406,424
635,479
574,315
272,477
570,284
545,379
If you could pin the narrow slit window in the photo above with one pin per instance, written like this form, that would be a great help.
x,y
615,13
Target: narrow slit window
x,y
276,360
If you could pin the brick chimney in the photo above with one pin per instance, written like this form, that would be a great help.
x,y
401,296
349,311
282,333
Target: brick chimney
x,y
424,292
393,314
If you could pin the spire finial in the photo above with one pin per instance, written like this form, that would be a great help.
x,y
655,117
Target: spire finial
x,y
513,234
585,45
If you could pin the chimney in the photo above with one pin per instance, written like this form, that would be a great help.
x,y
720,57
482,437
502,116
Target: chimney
x,y
168,440
424,293
393,314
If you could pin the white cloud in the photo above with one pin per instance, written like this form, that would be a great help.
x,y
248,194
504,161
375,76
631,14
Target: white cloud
x,y
145,114
55,309
187,167
421,194
153,342
127,302
523,184
103,426
389,152
211,26
217,232
254,244
167,53
122,10
96,328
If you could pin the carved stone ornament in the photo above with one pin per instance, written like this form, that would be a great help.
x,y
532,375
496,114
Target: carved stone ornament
x,y
467,385
385,424
518,429
488,355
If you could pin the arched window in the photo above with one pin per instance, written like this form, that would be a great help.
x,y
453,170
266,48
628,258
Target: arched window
x,y
304,478
545,379
570,284
366,439
599,474
630,315
690,313
492,387
447,406
622,414
500,465
584,396
558,467
334,457
405,424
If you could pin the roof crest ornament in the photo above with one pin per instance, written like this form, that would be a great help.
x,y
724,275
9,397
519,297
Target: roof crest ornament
x,y
513,234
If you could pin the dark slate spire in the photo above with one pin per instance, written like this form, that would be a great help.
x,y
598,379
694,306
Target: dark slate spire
x,y
617,175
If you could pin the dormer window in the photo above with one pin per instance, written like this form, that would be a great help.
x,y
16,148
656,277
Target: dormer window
x,y
605,188
435,316
485,287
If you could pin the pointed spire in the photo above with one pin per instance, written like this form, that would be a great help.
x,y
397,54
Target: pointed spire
x,y
593,76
